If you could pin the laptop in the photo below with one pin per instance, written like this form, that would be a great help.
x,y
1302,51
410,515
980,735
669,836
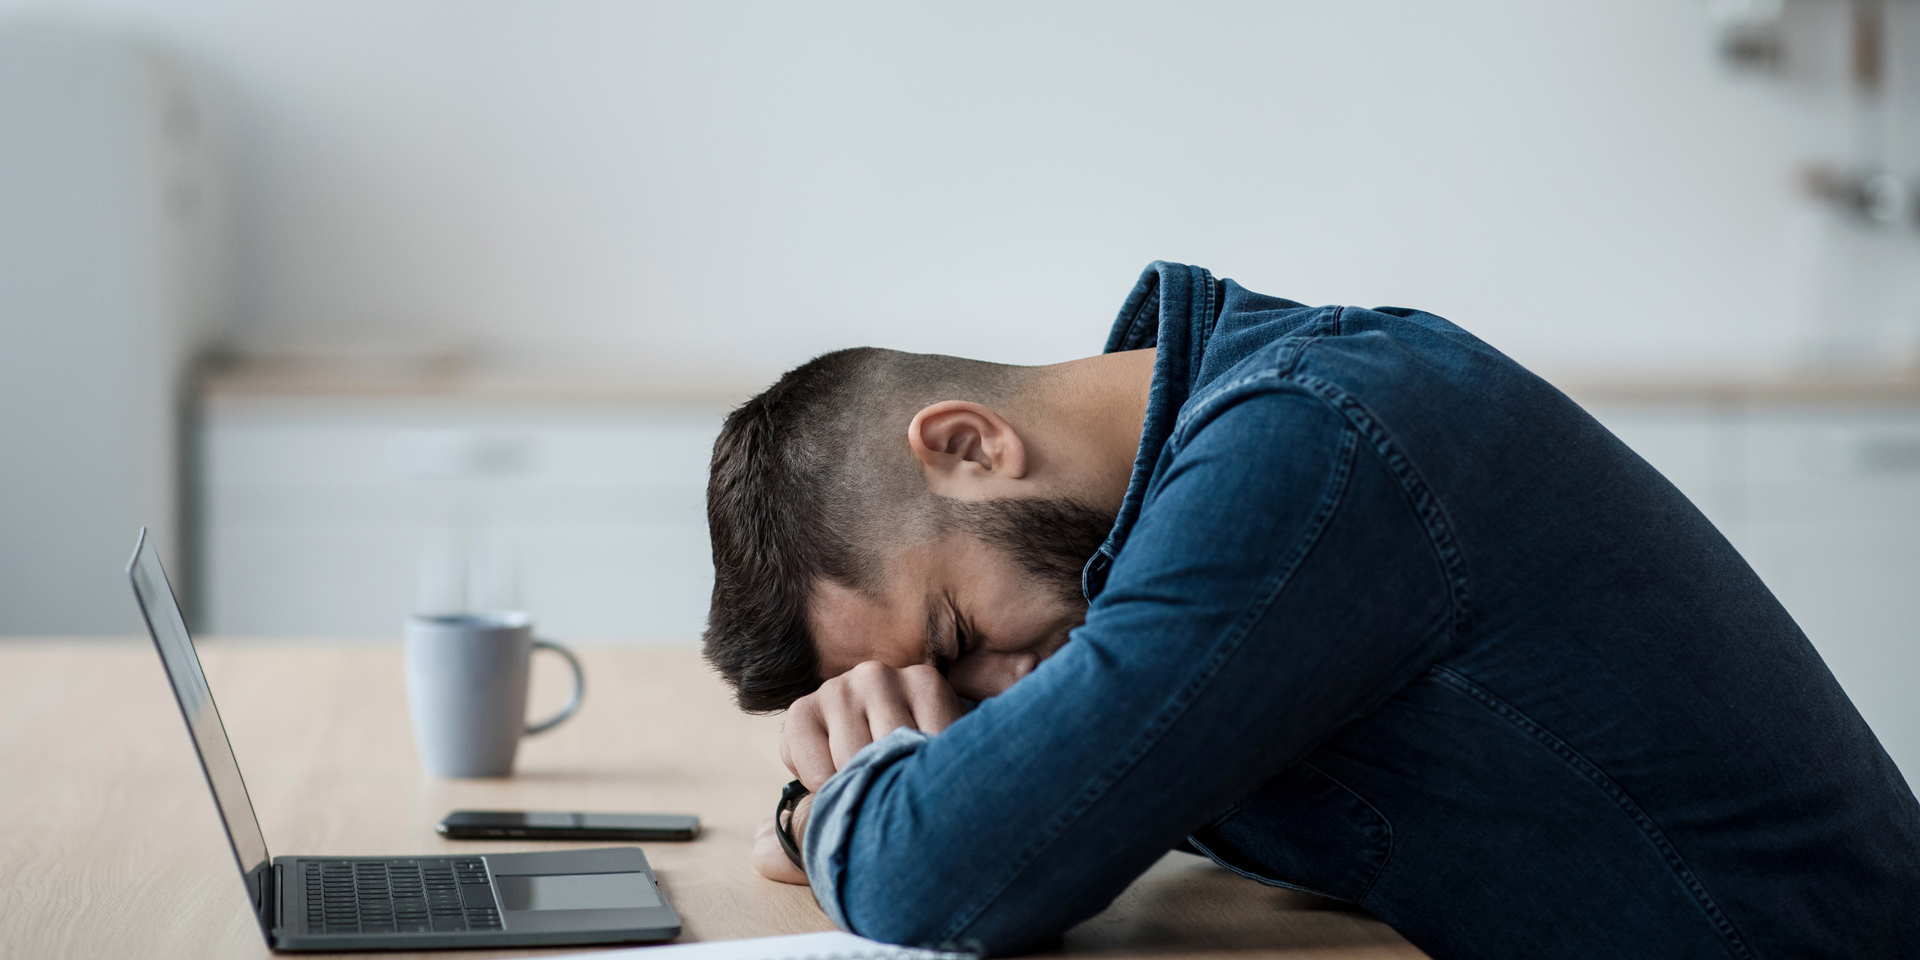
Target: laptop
x,y
604,895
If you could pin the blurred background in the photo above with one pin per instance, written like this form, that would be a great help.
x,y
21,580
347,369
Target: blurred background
x,y
376,307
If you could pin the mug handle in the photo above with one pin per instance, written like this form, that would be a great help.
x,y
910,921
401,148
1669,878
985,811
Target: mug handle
x,y
573,700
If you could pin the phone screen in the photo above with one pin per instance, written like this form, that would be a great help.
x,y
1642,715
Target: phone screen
x,y
556,825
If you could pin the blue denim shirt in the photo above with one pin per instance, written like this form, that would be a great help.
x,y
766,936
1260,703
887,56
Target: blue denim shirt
x,y
1387,618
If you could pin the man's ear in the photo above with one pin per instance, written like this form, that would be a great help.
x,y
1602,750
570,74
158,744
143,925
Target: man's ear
x,y
963,446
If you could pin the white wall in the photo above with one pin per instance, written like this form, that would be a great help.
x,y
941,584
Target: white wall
x,y
699,189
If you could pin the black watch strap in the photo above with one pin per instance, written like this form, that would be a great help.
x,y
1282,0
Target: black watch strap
x,y
783,828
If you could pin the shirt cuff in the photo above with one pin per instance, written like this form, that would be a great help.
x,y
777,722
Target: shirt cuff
x,y
830,824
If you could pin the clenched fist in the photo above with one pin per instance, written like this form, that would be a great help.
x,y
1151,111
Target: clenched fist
x,y
825,728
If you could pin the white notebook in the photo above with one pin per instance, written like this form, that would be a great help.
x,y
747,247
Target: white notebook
x,y
833,945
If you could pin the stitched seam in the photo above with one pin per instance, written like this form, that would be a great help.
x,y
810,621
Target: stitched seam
x,y
1216,396
1598,777
1382,868
1331,497
1420,496
1207,320
1293,346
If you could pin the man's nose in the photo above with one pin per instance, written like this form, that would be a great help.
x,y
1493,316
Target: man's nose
x,y
987,674
1020,664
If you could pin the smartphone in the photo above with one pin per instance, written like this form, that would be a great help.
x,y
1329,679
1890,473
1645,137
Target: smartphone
x,y
543,825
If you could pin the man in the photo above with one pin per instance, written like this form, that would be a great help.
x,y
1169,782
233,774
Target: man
x,y
1343,599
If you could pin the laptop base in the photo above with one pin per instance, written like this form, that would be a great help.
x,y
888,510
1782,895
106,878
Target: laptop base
x,y
606,895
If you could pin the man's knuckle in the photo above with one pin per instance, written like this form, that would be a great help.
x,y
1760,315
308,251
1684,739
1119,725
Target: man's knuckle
x,y
924,680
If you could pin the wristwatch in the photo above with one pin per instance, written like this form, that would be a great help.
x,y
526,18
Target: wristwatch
x,y
789,799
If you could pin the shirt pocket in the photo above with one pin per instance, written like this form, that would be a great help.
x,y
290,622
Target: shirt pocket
x,y
1304,830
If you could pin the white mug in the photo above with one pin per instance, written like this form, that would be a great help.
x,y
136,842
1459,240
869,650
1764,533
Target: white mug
x,y
467,690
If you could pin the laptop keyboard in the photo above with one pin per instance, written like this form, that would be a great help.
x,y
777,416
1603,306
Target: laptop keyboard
x,y
418,895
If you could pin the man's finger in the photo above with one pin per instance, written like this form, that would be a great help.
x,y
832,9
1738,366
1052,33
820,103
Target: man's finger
x,y
803,744
887,713
847,730
932,700
875,703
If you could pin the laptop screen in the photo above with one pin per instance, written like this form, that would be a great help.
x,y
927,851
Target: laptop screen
x,y
169,632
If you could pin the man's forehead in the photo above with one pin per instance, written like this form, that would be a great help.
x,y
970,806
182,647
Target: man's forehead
x,y
851,626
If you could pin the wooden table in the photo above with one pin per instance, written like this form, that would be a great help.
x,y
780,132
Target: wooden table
x,y
109,846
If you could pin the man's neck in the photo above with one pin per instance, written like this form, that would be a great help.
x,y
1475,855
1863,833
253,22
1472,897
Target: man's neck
x,y
1082,421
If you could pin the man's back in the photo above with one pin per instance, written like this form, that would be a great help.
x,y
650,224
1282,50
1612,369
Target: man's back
x,y
1625,717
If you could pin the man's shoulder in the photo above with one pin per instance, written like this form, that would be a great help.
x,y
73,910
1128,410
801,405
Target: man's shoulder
x,y
1410,371
1370,349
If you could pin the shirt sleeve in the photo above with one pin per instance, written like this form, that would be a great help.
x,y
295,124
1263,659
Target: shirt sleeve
x,y
830,823
1281,581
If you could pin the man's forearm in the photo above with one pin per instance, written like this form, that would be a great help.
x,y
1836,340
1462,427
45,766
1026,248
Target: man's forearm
x,y
830,819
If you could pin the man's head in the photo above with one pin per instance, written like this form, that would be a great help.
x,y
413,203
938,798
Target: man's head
x,y
878,505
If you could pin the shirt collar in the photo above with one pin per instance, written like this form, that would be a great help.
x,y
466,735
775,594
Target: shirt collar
x,y
1173,308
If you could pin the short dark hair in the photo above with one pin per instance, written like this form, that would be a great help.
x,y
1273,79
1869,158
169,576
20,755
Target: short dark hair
x,y
812,480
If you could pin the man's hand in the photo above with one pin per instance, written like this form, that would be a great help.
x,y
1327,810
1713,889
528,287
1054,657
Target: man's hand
x,y
825,728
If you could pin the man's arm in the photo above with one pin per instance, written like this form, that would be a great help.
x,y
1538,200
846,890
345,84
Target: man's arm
x,y
1279,584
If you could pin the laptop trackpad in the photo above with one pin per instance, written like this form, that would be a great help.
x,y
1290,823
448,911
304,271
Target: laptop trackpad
x,y
576,891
